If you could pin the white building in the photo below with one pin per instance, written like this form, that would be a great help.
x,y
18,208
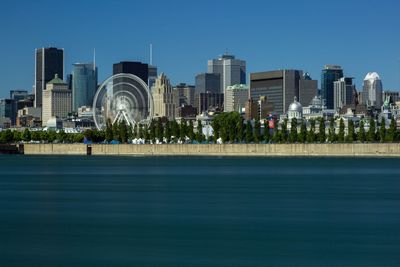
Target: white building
x,y
236,97
372,90
57,100
343,90
295,110
166,100
232,71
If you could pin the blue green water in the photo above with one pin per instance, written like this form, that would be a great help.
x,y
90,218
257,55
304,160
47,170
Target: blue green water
x,y
182,211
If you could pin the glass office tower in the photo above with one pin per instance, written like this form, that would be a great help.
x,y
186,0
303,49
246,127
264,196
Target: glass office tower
x,y
84,85
330,74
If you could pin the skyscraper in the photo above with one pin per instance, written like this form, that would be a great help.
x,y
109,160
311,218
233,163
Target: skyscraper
x,y
308,89
372,90
139,69
280,87
236,97
343,92
48,62
57,100
330,74
84,85
232,71
166,100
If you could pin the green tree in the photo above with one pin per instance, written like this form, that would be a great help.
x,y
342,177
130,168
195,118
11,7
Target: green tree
x,y
183,129
293,131
123,132
284,131
303,133
277,137
267,136
26,136
391,135
51,136
17,136
199,132
331,132
371,135
7,137
321,133
361,132
240,130
311,133
256,131
159,130
167,131
190,130
249,132
382,130
109,131
341,131
351,136
175,130
152,131
146,135
135,131
141,131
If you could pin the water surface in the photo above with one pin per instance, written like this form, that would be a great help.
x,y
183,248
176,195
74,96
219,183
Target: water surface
x,y
199,211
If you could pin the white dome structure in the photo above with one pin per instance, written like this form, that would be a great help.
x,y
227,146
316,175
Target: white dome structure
x,y
372,90
295,110
372,76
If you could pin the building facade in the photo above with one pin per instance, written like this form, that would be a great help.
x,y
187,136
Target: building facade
x,y
57,100
372,90
186,94
236,97
165,99
343,92
393,95
138,69
84,85
231,70
152,75
280,87
48,62
308,89
210,101
330,74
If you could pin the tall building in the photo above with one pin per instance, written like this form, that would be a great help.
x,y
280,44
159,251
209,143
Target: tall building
x,y
343,92
48,62
280,87
394,96
372,90
8,110
165,98
232,71
186,94
57,100
308,89
18,94
210,101
236,97
152,75
139,69
330,74
84,85
208,82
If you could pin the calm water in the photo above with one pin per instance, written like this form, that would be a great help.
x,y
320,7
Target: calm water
x,y
127,211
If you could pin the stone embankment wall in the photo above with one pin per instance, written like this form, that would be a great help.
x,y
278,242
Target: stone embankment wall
x,y
389,150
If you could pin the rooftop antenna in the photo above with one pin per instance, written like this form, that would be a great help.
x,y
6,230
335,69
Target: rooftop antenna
x,y
94,59
151,54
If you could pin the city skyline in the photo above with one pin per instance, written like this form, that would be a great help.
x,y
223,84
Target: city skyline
x,y
184,40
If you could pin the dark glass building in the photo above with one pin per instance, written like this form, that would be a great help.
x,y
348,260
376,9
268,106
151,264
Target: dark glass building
x,y
84,85
130,67
208,82
330,74
49,62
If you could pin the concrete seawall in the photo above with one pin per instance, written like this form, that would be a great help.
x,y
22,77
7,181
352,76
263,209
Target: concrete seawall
x,y
367,150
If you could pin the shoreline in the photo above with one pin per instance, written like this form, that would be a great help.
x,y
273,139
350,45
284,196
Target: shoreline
x,y
216,150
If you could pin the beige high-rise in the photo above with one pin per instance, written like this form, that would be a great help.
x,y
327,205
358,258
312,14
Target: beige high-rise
x,y
57,100
166,100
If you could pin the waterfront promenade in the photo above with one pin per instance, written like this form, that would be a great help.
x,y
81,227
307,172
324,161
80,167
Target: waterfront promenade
x,y
317,150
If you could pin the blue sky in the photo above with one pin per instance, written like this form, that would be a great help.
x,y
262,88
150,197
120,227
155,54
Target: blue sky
x,y
361,36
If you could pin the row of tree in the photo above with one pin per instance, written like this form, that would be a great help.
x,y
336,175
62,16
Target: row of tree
x,y
227,128
8,136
